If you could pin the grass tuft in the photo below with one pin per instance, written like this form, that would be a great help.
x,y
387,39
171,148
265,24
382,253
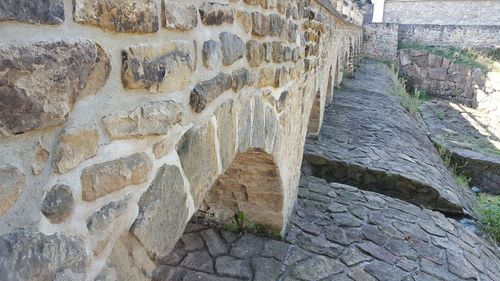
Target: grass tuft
x,y
488,208
460,177
411,102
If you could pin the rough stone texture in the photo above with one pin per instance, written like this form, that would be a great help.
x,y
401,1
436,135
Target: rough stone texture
x,y
439,12
118,16
393,240
158,68
76,144
255,53
198,157
27,254
162,206
103,178
179,16
12,185
439,77
58,203
471,137
381,41
382,150
44,79
103,218
216,14
128,261
34,12
207,91
233,48
155,118
226,132
211,54
240,78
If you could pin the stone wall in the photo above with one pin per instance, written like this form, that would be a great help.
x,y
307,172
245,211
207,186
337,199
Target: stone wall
x,y
381,41
445,12
462,36
443,78
117,119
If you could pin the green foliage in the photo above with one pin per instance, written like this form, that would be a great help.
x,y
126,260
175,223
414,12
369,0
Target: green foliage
x,y
440,115
469,57
238,225
488,208
410,102
460,177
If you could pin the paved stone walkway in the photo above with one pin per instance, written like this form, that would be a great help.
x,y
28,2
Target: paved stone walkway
x,y
369,140
338,232
471,136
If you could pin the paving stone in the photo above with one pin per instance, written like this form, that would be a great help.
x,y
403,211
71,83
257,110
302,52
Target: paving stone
x,y
247,246
192,241
353,256
215,244
200,261
377,252
267,268
276,249
316,268
384,271
233,267
378,137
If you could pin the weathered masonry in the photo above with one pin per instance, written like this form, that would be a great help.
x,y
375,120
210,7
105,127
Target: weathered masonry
x,y
120,119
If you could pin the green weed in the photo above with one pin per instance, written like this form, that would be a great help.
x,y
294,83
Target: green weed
x,y
460,177
488,208
410,102
241,225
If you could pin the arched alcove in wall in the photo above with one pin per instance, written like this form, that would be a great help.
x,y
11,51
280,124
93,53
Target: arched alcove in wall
x,y
330,86
315,117
251,184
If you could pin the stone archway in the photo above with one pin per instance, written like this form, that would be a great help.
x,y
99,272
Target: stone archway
x,y
251,184
315,117
330,86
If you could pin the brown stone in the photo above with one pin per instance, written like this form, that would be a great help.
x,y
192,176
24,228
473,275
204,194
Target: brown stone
x,y
12,184
179,16
266,77
34,12
154,118
75,145
118,15
103,178
245,20
216,14
40,159
158,68
42,80
198,157
255,53
208,90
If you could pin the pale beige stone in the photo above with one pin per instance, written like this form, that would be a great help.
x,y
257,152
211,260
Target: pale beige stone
x,y
103,178
155,118
75,145
12,184
162,207
198,157
226,132
40,159
266,77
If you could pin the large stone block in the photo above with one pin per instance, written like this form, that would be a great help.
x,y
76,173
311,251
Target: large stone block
x,y
198,157
41,82
233,48
75,145
12,184
27,254
154,118
35,12
119,15
163,213
103,178
208,90
179,16
216,14
226,132
158,68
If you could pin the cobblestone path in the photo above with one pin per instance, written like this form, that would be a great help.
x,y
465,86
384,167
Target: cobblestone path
x,y
338,232
369,140
471,136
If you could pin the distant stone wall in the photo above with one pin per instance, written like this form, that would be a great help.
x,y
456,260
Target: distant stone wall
x,y
118,117
381,41
443,12
443,78
462,36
